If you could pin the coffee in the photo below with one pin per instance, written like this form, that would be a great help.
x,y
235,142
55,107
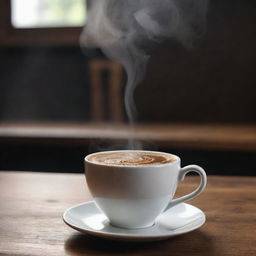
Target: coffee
x,y
133,187
131,158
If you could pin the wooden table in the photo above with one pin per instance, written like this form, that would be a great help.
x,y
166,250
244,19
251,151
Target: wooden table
x,y
189,136
31,207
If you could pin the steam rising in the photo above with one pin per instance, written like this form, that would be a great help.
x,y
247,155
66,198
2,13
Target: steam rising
x,y
126,30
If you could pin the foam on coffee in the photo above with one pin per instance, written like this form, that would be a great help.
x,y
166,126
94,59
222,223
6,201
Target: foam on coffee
x,y
131,158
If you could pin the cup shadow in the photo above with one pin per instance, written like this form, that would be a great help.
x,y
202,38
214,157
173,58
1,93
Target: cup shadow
x,y
197,242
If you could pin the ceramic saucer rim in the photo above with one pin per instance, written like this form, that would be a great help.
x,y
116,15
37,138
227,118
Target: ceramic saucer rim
x,y
131,237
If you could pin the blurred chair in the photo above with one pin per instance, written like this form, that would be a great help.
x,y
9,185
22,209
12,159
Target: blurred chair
x,y
114,90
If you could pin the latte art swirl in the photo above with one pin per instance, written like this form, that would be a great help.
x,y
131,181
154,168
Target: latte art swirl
x,y
131,158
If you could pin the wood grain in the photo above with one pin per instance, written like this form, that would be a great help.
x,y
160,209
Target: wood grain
x,y
196,136
32,204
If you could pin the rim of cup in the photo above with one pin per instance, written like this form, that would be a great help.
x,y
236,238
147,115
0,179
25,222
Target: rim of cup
x,y
177,159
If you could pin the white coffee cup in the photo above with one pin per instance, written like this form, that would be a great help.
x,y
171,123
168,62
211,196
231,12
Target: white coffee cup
x,y
134,196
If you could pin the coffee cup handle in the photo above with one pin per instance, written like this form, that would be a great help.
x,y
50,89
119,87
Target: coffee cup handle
x,y
200,188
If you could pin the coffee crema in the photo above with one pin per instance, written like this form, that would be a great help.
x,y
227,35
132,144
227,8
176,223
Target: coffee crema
x,y
131,158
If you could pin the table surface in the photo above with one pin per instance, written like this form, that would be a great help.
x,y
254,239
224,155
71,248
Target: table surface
x,y
32,204
200,136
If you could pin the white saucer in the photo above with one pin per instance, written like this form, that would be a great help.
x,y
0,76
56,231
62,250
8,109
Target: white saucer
x,y
180,219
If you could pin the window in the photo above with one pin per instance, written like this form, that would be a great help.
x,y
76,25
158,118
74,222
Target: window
x,y
47,13
41,22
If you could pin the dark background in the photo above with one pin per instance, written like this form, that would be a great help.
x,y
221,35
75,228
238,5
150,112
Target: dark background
x,y
212,83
